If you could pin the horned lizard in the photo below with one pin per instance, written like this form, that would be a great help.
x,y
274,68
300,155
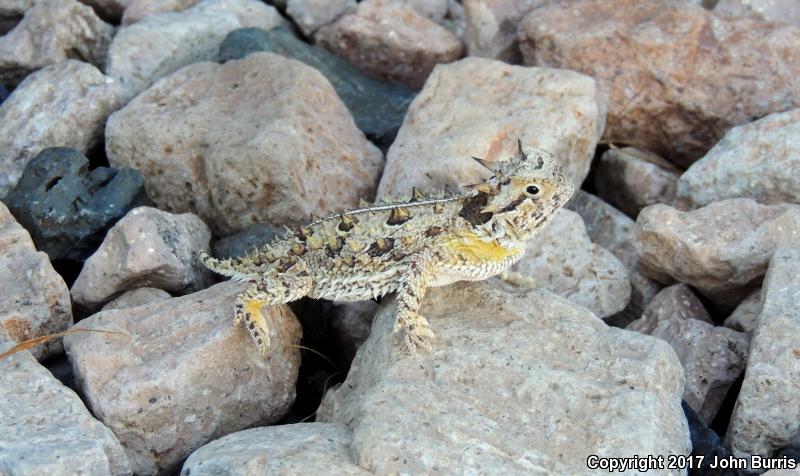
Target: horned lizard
x,y
405,246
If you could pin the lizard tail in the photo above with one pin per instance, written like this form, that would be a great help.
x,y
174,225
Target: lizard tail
x,y
225,267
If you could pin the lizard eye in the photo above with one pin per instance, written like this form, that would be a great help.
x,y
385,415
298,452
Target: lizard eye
x,y
533,191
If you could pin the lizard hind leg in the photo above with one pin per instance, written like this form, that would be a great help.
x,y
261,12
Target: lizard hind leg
x,y
417,330
248,312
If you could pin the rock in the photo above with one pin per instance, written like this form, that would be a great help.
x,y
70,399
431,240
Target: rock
x,y
66,207
377,107
480,402
160,44
138,9
245,241
109,9
479,107
181,375
760,160
70,115
350,323
706,444
669,68
147,247
34,300
3,93
613,230
676,302
712,357
389,40
15,8
260,165
491,27
743,318
53,31
137,297
563,260
302,448
631,179
722,249
766,10
46,429
767,412
309,15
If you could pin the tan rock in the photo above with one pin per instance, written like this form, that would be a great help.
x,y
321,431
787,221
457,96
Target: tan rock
x,y
509,363
138,9
46,429
491,27
745,316
614,231
479,107
631,179
720,249
34,300
73,114
759,160
388,39
205,143
562,259
147,247
767,412
309,15
673,71
180,375
137,297
160,44
53,31
302,448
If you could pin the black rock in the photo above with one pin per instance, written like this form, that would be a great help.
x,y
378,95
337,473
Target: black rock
x,y
378,108
68,208
240,243
3,93
705,443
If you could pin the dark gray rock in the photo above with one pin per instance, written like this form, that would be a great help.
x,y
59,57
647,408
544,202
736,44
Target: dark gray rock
x,y
378,108
3,93
243,242
66,207
705,443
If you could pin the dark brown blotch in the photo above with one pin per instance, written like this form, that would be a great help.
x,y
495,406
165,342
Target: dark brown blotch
x,y
380,247
471,211
512,206
398,216
347,223
334,246
433,231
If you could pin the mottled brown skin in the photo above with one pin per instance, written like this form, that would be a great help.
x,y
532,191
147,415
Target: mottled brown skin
x,y
403,247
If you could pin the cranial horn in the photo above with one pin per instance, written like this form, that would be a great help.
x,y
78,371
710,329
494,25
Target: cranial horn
x,y
483,163
520,154
481,187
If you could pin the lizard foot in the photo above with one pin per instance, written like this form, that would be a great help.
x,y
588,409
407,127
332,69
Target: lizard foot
x,y
248,312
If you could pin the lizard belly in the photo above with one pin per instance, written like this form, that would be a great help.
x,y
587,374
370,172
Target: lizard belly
x,y
473,259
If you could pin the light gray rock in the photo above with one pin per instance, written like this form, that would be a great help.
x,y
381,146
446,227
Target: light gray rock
x,y
515,376
303,448
179,374
767,412
491,27
147,247
137,297
34,299
562,259
160,44
53,31
309,15
479,107
46,430
759,160
721,250
38,115
614,231
301,155
784,11
631,179
138,9
389,40
745,316
712,357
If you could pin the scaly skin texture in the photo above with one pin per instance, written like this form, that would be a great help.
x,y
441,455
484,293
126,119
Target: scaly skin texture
x,y
404,247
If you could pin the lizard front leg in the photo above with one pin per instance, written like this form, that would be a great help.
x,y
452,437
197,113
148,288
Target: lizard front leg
x,y
417,329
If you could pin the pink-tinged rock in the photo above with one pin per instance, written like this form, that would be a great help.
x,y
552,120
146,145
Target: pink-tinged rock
x,y
745,316
138,9
678,77
137,297
34,300
147,247
158,45
759,160
205,143
767,412
309,15
722,249
45,429
491,27
712,357
614,231
179,374
631,179
53,31
480,107
388,39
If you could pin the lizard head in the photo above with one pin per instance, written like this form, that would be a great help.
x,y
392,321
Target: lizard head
x,y
524,192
